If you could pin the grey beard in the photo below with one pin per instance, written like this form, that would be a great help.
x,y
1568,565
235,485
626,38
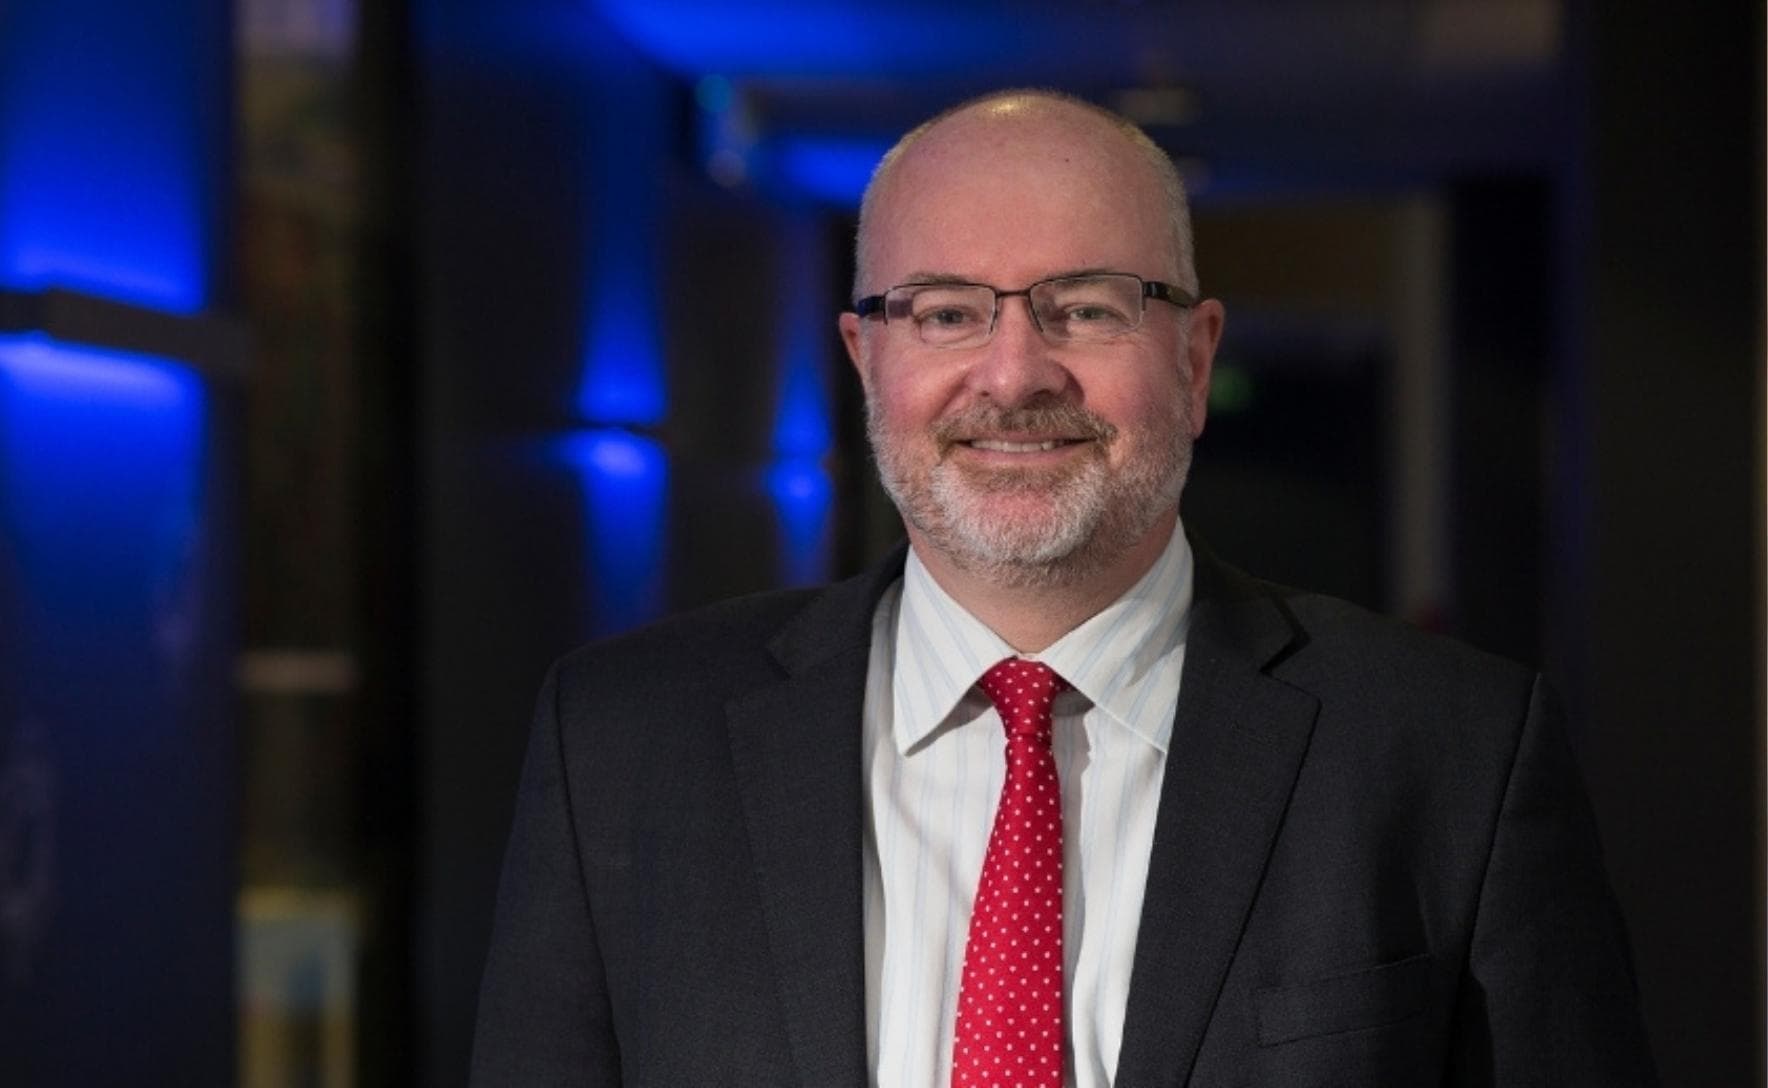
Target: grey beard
x,y
1095,517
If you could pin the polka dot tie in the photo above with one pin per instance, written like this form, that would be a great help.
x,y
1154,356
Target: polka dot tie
x,y
1009,1031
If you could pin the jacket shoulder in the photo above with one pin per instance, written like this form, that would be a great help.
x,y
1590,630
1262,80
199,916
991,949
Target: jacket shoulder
x,y
705,648
731,646
1350,635
1312,639
1352,658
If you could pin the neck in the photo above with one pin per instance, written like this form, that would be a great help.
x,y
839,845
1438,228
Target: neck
x,y
1029,617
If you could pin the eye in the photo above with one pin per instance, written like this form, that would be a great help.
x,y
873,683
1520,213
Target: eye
x,y
1092,313
1089,307
1092,316
949,311
946,316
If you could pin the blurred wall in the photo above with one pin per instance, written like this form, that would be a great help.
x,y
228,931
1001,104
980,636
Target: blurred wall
x,y
1661,400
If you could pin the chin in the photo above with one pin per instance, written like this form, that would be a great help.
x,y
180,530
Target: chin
x,y
1044,533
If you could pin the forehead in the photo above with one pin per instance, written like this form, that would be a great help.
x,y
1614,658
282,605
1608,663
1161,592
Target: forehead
x,y
1008,197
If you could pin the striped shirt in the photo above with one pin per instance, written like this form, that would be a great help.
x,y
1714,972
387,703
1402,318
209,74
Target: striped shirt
x,y
934,758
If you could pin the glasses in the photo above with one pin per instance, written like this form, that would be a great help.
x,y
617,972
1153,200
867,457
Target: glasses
x,y
1085,309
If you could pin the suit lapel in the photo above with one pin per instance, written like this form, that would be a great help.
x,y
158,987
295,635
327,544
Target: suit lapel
x,y
1238,740
795,747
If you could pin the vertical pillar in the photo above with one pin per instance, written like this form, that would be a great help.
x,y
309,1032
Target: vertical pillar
x,y
117,545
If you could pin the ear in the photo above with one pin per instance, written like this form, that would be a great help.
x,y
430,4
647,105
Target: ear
x,y
850,336
1207,321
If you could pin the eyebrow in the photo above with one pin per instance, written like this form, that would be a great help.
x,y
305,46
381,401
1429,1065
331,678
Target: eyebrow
x,y
954,278
938,277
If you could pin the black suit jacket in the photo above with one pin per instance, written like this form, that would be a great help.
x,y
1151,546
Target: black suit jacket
x,y
1372,864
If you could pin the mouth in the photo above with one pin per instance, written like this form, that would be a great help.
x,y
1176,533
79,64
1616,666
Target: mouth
x,y
1048,432
1002,445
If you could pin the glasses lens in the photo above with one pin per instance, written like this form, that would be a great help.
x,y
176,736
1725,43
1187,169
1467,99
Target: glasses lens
x,y
1088,307
944,315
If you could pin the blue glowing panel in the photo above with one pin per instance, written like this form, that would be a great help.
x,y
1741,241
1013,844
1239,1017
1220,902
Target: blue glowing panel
x,y
757,37
107,134
623,373
625,481
829,170
116,621
102,458
849,39
803,497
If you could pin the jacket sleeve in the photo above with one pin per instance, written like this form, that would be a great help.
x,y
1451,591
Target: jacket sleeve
x,y
544,1015
1548,996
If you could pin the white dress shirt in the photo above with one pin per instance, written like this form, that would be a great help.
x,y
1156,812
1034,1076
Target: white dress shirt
x,y
934,758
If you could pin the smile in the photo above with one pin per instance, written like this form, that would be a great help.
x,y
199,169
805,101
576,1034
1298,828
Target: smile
x,y
997,445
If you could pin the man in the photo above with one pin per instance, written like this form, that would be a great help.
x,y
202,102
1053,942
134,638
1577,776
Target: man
x,y
1054,792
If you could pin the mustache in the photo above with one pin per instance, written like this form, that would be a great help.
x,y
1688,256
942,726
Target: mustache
x,y
1055,419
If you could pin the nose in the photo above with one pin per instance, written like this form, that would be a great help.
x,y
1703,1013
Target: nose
x,y
1017,364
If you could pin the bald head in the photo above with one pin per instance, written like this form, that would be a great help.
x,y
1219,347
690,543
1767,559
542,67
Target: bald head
x,y
1028,129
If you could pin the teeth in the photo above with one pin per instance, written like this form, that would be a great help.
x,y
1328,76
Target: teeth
x,y
1013,447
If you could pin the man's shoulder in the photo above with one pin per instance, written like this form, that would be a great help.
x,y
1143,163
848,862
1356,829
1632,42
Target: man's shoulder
x,y
1391,703
1343,628
733,644
711,637
1331,645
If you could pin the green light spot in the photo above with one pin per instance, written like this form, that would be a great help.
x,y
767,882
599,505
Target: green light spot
x,y
1230,389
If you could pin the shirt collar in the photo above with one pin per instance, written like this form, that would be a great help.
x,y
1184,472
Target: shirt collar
x,y
1124,659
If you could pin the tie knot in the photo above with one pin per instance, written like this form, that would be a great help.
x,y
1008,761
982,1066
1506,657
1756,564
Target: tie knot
x,y
1023,691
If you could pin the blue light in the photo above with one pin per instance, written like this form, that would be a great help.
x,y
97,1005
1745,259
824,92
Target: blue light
x,y
117,539
801,414
803,497
107,130
55,373
833,171
625,482
810,38
615,456
745,38
801,427
623,381
623,374
101,492
803,434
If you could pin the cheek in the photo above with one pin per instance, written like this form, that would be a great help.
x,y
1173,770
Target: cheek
x,y
1145,411
905,400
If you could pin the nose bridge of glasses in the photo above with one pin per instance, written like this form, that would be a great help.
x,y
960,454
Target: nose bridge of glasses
x,y
1037,321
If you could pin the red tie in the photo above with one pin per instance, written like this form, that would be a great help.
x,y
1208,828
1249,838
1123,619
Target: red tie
x,y
1009,1030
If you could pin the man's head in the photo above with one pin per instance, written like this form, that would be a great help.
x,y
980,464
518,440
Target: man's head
x,y
1027,458
1027,104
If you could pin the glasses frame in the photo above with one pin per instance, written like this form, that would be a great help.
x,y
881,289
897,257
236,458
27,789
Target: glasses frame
x,y
873,306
